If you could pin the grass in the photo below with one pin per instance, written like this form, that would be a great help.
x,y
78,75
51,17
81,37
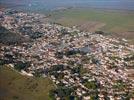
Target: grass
x,y
110,21
115,21
14,86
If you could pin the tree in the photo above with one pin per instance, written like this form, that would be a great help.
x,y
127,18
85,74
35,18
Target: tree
x,y
63,92
21,65
64,31
99,32
59,55
36,35
10,38
91,85
2,62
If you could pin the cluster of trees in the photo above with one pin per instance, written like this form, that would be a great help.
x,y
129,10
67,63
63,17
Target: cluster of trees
x,y
76,70
91,85
64,32
2,62
59,55
129,57
36,35
55,68
27,30
63,92
99,32
66,53
85,59
8,58
127,96
71,52
21,65
9,38
119,85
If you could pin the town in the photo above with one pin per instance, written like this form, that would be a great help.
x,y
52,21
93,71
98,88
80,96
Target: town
x,y
83,65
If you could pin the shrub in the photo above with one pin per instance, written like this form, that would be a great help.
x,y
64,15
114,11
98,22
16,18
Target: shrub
x,y
91,85
64,31
36,35
63,92
99,32
21,65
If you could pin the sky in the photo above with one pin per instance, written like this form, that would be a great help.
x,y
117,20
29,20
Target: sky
x,y
40,4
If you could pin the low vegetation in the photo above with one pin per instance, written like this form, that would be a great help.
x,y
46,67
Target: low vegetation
x,y
91,85
120,24
62,92
14,86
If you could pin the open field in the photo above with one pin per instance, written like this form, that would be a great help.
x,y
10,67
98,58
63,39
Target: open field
x,y
121,23
13,86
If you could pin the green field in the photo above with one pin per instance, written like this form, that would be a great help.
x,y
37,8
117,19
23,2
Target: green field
x,y
14,86
120,23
